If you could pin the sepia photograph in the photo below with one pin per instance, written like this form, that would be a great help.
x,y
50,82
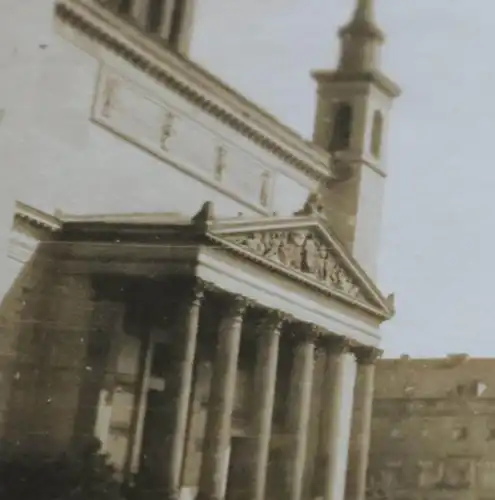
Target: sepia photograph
x,y
244,250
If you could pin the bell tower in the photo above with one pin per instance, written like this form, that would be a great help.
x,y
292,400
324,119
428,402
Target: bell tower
x,y
353,106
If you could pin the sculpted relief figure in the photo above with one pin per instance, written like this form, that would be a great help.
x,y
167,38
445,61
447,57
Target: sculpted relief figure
x,y
326,265
340,278
256,244
301,251
273,246
310,256
293,249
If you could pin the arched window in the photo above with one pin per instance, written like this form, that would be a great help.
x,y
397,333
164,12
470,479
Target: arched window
x,y
342,127
376,134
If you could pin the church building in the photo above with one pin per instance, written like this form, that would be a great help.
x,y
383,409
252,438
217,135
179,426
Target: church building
x,y
181,275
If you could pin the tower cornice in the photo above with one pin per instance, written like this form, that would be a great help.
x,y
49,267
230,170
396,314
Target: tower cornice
x,y
385,84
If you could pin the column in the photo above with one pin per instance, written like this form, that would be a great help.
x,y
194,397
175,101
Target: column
x,y
218,427
340,377
300,401
269,338
186,334
361,430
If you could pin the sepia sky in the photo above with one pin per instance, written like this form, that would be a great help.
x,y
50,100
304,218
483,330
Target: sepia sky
x,y
438,242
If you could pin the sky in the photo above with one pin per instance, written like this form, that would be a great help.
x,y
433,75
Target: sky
x,y
437,242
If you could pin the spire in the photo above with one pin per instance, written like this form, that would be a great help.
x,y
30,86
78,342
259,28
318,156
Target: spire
x,y
361,39
362,24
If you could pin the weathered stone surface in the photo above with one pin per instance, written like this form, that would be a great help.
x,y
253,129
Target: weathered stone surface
x,y
433,426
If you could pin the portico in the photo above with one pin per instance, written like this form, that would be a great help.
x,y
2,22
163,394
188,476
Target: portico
x,y
238,295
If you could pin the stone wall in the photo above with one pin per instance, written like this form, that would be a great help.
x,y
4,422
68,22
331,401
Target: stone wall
x,y
54,344
44,342
433,428
22,345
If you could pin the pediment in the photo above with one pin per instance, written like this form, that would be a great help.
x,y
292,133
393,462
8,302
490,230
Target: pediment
x,y
305,249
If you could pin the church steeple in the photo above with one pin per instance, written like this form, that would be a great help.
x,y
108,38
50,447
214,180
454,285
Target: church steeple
x,y
352,116
361,40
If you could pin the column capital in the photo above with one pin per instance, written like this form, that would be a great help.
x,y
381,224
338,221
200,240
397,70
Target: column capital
x,y
237,305
197,290
309,332
205,286
273,319
190,290
337,345
366,355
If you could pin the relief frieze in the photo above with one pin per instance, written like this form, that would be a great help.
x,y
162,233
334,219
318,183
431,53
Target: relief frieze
x,y
176,135
303,252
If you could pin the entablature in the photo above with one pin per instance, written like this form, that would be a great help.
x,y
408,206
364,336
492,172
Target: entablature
x,y
292,264
300,248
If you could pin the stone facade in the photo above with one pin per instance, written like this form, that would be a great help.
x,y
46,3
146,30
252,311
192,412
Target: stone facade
x,y
433,429
180,273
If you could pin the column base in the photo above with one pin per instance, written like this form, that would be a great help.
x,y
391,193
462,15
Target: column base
x,y
205,496
172,495
317,492
153,494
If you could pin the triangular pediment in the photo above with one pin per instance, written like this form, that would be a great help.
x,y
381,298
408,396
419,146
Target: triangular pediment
x,y
305,249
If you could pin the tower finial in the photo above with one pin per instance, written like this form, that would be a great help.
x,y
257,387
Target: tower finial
x,y
361,39
363,22
364,10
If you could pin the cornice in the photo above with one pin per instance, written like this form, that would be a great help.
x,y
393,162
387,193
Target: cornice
x,y
383,82
36,218
30,228
199,87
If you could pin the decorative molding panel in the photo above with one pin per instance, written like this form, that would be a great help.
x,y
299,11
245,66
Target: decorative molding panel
x,y
173,135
